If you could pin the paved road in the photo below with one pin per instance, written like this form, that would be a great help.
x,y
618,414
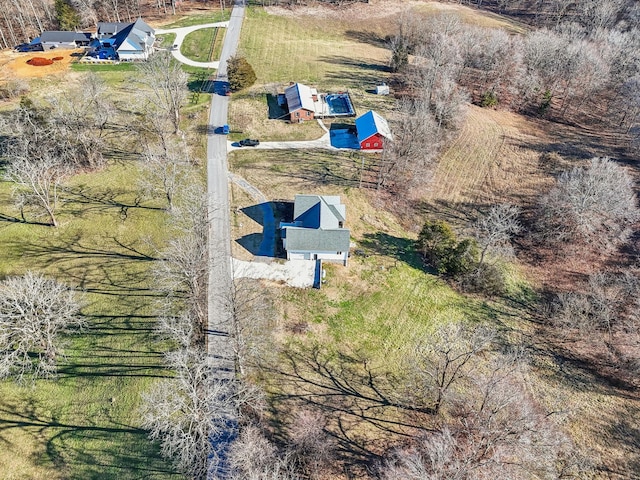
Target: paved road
x,y
183,32
219,344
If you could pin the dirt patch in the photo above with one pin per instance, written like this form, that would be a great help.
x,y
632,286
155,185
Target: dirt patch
x,y
14,65
40,62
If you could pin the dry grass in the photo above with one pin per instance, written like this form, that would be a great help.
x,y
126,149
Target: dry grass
x,y
474,16
494,158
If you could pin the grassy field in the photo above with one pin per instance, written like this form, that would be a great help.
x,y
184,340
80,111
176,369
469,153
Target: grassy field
x,y
84,425
308,50
473,16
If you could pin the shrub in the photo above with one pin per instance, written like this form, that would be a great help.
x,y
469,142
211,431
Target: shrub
x,y
486,278
436,243
440,249
489,99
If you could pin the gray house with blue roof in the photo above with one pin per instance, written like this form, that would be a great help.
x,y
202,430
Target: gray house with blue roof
x,y
317,231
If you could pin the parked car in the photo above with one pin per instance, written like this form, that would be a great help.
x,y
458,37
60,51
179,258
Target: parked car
x,y
248,142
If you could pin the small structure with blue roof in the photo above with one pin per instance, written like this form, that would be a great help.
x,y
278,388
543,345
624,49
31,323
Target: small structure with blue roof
x,y
372,130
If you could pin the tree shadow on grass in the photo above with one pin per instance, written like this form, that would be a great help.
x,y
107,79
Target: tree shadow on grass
x,y
359,71
371,38
110,450
351,395
74,248
402,249
91,199
12,219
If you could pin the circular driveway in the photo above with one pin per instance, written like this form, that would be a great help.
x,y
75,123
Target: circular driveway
x,y
181,33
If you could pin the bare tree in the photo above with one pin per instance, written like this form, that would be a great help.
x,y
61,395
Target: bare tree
x,y
253,457
37,163
34,313
81,119
496,228
167,85
165,170
441,361
603,303
493,429
192,414
38,179
595,204
310,442
408,160
253,316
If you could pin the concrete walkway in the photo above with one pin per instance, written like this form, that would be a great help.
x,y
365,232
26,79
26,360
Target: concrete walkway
x,y
181,33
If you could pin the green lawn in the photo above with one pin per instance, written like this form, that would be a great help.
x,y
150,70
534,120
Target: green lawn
x,y
167,39
84,425
116,67
198,45
201,19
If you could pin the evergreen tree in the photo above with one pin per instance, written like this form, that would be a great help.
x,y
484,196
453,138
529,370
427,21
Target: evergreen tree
x,y
240,73
67,17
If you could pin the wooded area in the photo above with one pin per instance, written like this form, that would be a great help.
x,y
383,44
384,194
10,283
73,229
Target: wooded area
x,y
23,20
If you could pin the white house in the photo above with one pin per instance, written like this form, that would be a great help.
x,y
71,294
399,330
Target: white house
x,y
131,41
317,231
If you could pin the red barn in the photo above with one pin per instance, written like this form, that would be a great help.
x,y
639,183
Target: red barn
x,y
372,130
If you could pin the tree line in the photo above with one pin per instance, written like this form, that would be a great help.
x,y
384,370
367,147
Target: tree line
x,y
23,20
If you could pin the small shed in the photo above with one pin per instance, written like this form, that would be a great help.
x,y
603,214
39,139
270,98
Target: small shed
x,y
372,130
382,89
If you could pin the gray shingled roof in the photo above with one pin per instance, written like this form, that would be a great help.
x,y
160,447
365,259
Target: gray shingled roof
x,y
63,37
319,219
316,240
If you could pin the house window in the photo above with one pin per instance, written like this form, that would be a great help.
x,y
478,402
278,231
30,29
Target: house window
x,y
367,145
297,114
